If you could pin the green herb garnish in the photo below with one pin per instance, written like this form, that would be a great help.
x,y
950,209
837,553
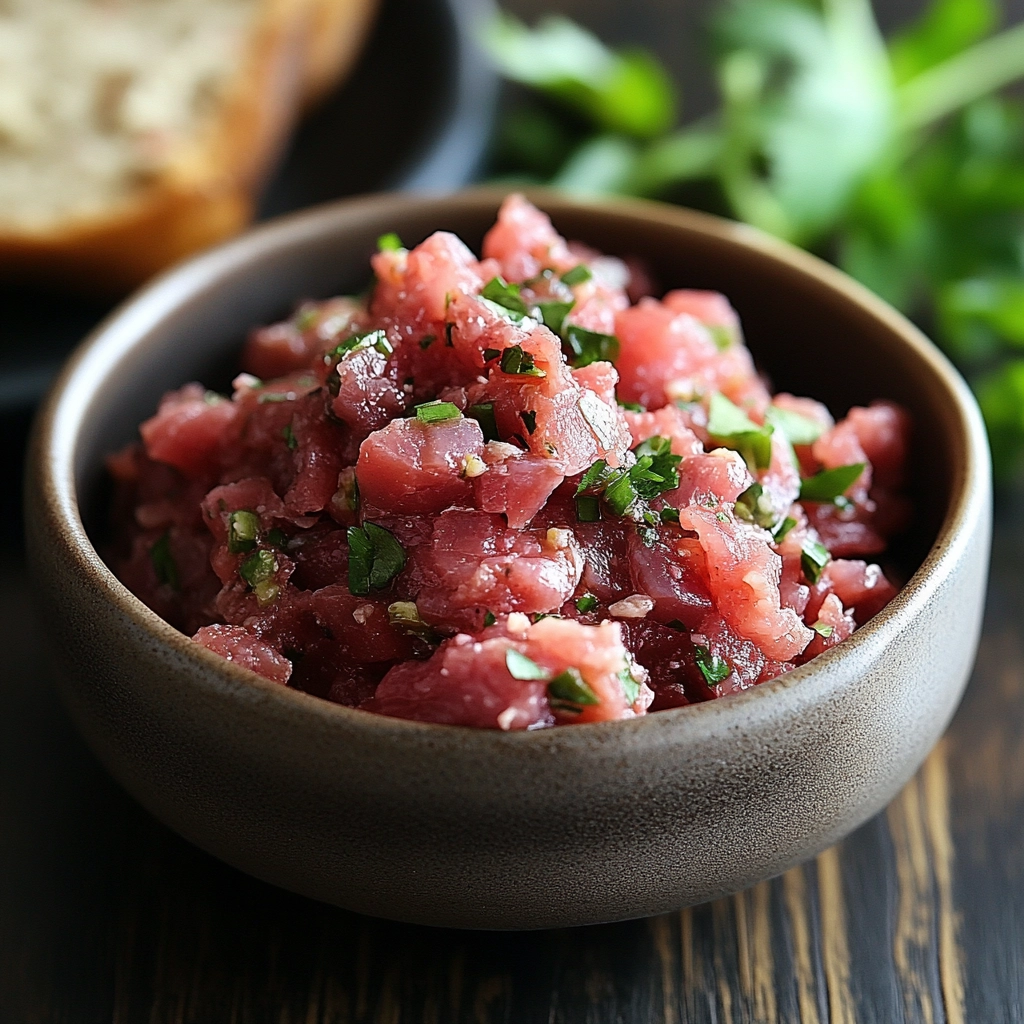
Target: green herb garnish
x,y
368,339
553,314
243,531
258,568
669,515
437,412
754,506
521,667
627,492
823,629
484,415
584,347
795,428
814,557
631,406
529,419
713,668
375,558
730,427
389,242
570,693
489,619
277,539
779,534
506,295
164,565
289,437
404,615
273,397
587,603
630,686
580,273
830,484
516,360
588,508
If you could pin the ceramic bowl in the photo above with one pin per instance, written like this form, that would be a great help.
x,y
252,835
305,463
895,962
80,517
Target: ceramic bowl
x,y
471,828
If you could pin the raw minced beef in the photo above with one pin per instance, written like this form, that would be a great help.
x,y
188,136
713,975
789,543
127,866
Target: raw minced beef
x,y
498,494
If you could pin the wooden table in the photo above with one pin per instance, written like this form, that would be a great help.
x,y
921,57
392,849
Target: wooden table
x,y
107,916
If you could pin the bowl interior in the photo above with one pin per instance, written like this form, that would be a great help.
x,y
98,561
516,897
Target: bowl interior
x,y
811,331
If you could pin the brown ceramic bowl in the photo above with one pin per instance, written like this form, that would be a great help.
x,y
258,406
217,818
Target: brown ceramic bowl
x,y
453,826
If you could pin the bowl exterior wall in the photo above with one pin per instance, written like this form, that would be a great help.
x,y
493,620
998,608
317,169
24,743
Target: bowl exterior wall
x,y
467,828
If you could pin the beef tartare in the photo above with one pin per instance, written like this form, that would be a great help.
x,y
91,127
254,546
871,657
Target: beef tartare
x,y
499,493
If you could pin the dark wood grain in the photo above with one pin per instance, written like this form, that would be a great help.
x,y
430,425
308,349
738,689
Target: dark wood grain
x,y
917,917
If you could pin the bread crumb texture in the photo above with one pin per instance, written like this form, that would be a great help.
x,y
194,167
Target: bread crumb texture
x,y
98,96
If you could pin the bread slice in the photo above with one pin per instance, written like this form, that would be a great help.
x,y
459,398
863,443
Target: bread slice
x,y
135,132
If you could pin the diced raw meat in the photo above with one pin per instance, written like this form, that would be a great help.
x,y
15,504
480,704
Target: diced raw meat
x,y
235,644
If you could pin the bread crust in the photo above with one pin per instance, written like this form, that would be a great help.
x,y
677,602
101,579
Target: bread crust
x,y
296,51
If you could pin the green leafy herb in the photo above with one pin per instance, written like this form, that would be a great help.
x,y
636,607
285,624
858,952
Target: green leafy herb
x,y
306,317
570,693
437,412
712,667
516,360
553,314
164,565
357,342
521,667
779,534
584,347
669,515
630,686
243,531
823,629
730,427
754,506
506,295
489,619
814,557
389,242
632,406
627,492
830,484
588,508
258,568
587,603
277,539
656,469
580,273
289,437
375,558
483,413
529,419
795,428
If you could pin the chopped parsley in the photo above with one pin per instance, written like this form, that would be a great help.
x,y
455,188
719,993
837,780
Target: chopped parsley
x,y
521,667
797,429
587,603
630,686
258,568
553,314
484,415
164,565
830,484
529,419
723,337
669,515
631,406
489,619
584,347
404,615
780,531
243,531
389,242
506,295
754,506
730,427
588,508
570,693
306,317
369,339
516,360
713,668
277,539
580,273
375,558
437,412
814,557
289,437
823,629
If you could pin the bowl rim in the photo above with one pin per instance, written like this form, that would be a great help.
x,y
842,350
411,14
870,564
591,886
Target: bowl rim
x,y
74,394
